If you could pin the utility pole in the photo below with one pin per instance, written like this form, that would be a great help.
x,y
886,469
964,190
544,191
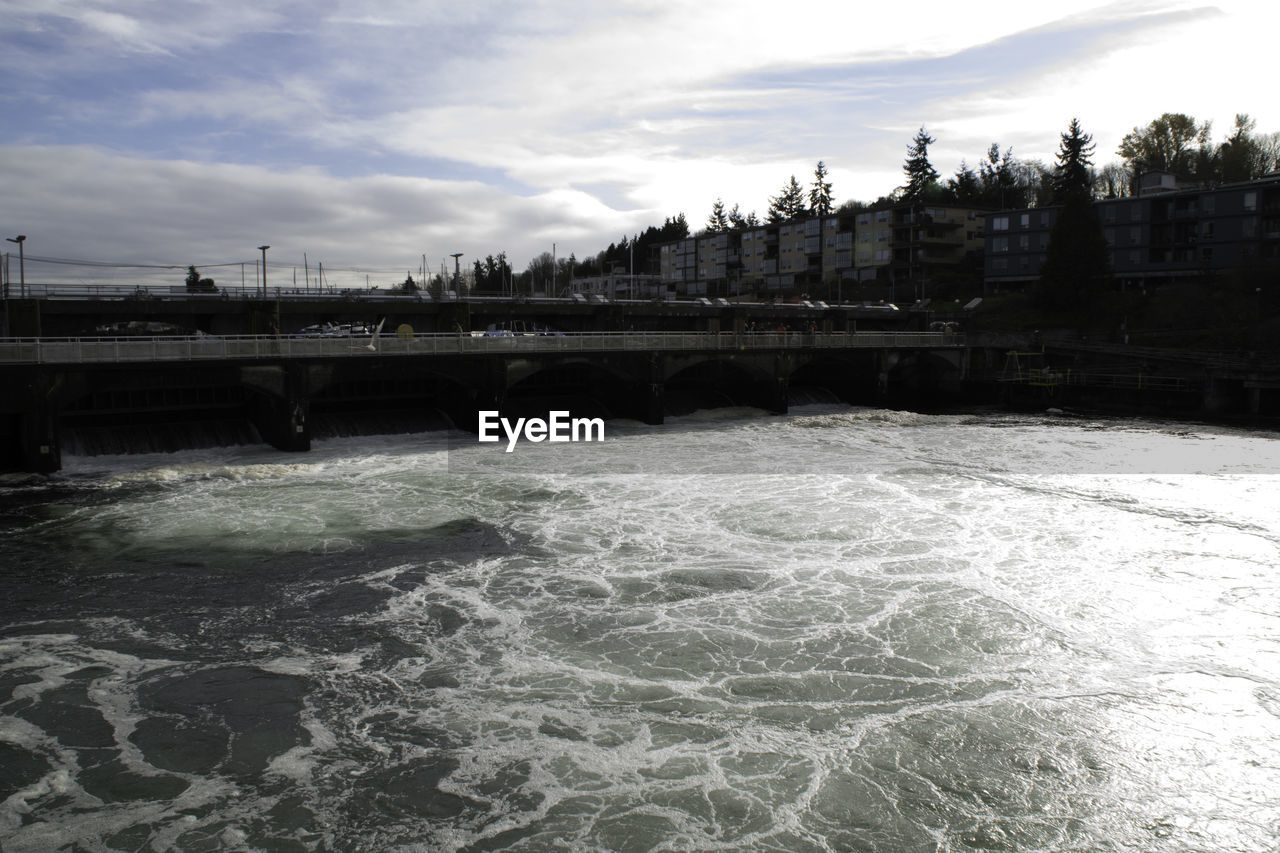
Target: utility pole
x,y
22,265
264,270
457,273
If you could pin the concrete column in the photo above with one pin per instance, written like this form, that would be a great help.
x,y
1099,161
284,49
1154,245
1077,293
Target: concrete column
x,y
780,405
280,407
1217,396
654,390
40,448
490,392
653,406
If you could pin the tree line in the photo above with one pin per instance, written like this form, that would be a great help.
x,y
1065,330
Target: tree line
x,y
1173,142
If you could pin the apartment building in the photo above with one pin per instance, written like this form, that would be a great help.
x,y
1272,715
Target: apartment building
x,y
911,247
894,251
1164,234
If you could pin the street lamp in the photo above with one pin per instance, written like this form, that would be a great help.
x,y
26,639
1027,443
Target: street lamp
x,y
264,270
457,273
22,266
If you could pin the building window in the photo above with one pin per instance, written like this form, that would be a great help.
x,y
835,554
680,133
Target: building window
x,y
1251,201
1206,255
1135,212
1207,204
1206,230
1000,265
1025,220
1024,242
1135,235
1044,219
1109,234
999,223
1249,228
999,244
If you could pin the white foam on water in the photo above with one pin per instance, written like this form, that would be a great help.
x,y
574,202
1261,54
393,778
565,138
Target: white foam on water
x,y
839,629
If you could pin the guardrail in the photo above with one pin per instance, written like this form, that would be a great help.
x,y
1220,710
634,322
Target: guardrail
x,y
153,349
1134,380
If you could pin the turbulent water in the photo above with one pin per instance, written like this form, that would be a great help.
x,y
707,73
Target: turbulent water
x,y
839,630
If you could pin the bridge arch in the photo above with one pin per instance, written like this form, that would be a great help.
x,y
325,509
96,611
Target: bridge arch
x,y
587,387
718,381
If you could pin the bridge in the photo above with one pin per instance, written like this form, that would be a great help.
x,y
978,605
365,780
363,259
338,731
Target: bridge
x,y
282,386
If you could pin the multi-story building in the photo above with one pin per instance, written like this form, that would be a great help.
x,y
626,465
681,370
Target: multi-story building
x,y
915,247
894,251
1163,234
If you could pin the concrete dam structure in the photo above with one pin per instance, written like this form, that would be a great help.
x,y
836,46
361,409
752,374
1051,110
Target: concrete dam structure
x,y
101,395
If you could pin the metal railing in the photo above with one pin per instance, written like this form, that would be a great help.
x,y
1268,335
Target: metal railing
x,y
1128,379
155,349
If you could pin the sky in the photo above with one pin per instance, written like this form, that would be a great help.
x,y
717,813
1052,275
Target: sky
x,y
368,135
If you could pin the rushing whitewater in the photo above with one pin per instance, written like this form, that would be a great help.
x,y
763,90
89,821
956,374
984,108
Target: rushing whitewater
x,y
843,629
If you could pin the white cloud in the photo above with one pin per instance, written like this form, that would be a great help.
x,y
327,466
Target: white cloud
x,y
90,204
201,129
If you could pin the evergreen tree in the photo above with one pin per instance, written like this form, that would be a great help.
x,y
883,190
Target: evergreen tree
x,y
820,195
965,185
789,204
1077,263
999,176
718,221
1073,174
920,174
737,220
196,284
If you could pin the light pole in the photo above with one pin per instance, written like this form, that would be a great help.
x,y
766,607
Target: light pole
x,y
22,266
457,273
263,249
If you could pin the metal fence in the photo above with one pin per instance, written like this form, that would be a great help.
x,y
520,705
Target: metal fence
x,y
1120,378
154,349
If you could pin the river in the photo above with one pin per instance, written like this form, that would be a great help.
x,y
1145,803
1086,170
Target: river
x,y
844,629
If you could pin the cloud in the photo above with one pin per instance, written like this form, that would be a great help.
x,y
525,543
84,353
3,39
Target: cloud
x,y
86,203
380,130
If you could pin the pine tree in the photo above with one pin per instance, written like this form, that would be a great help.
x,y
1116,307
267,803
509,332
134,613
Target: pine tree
x,y
1077,266
820,195
1073,175
965,186
998,173
718,221
789,204
920,174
